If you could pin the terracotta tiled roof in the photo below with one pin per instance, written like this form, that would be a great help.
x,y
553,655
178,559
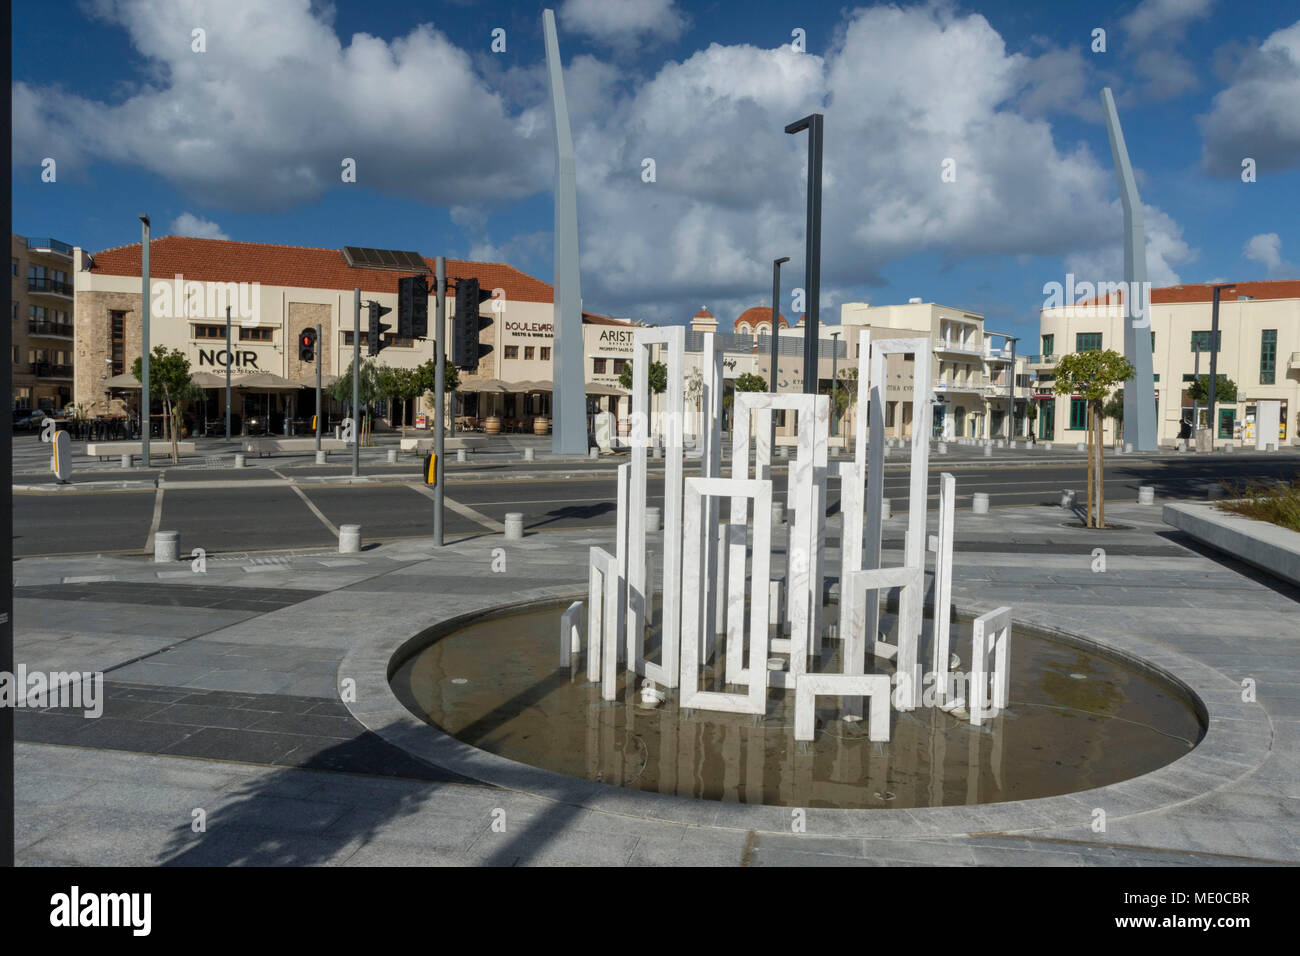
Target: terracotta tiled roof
x,y
222,260
758,314
1204,292
703,313
592,318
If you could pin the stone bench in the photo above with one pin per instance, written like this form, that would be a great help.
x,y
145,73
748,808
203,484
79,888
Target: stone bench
x,y
425,445
267,446
112,449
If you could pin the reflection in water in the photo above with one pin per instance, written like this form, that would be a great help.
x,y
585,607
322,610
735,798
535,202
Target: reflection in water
x,y
1076,721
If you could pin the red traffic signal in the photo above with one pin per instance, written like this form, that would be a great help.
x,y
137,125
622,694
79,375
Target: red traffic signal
x,y
307,345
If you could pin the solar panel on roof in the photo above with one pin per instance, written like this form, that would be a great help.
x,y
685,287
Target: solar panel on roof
x,y
360,257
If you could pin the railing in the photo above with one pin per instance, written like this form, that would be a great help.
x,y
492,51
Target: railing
x,y
49,328
46,244
47,370
1050,358
38,284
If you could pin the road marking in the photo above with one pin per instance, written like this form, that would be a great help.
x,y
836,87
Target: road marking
x,y
465,511
314,510
157,518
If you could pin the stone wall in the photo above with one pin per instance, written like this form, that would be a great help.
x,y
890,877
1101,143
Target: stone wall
x,y
92,343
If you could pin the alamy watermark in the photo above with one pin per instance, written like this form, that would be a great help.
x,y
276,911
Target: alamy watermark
x,y
82,690
1093,300
177,298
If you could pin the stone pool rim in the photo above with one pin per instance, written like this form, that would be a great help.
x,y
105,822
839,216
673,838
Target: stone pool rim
x,y
1235,742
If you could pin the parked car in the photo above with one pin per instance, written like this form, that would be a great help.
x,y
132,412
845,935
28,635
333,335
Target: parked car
x,y
25,421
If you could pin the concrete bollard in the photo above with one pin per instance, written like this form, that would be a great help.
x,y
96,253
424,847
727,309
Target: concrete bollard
x,y
126,461
657,453
392,456
886,509
988,452
1270,446
461,455
514,526
979,503
1080,446
886,450
321,456
1128,448
239,461
166,546
1228,447
1047,446
943,448
593,452
783,451
349,538
652,519
1146,495
778,512
1067,498
529,454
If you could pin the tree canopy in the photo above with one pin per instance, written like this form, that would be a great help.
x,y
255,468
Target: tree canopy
x,y
658,376
1224,391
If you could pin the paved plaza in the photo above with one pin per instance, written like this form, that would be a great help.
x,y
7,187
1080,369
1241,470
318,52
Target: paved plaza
x,y
222,696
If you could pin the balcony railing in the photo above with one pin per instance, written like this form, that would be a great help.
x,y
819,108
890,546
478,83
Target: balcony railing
x,y
46,244
949,345
1049,359
46,284
48,370
50,328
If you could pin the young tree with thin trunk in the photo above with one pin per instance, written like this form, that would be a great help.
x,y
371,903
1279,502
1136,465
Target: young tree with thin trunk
x,y
1092,376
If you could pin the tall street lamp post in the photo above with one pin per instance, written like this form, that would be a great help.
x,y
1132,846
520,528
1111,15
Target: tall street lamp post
x,y
813,247
144,341
1214,360
776,299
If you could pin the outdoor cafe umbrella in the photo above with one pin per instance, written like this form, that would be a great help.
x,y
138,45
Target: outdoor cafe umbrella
x,y
485,385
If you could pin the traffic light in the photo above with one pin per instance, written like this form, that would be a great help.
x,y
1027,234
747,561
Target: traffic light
x,y
375,337
412,307
464,334
307,345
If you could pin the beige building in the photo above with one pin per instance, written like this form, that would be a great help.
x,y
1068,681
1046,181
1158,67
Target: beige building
x,y
1258,349
42,321
274,292
969,370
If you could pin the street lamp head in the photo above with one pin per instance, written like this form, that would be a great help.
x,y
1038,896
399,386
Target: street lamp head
x,y
144,218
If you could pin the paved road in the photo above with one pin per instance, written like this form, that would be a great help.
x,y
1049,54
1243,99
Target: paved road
x,y
263,511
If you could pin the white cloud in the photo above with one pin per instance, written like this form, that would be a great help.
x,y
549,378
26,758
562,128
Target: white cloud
x,y
1156,20
1266,248
1256,115
1164,246
267,115
623,22
188,224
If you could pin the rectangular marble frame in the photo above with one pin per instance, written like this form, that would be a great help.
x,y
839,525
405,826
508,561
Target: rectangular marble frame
x,y
943,585
712,388
909,623
807,481
673,339
570,633
694,581
991,636
606,620
858,591
872,686
621,525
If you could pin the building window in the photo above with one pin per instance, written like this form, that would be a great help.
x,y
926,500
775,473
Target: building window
x,y
15,266
619,365
1227,422
544,353
528,353
347,340
1201,342
1078,414
512,351
210,332
598,366
1087,342
117,341
15,310
400,341
255,333
1268,357
889,414
1049,344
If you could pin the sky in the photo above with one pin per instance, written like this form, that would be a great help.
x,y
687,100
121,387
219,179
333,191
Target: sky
x,y
966,155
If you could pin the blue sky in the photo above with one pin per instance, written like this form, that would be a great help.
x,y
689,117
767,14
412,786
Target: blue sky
x,y
454,151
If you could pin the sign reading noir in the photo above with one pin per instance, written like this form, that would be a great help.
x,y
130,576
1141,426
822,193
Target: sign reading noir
x,y
243,359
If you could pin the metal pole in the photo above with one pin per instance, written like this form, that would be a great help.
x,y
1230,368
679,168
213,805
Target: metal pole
x,y
1214,365
1011,393
229,360
320,358
6,533
835,382
439,386
144,342
812,247
1196,402
776,311
356,382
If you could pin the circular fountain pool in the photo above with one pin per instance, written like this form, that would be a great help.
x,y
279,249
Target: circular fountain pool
x,y
1077,720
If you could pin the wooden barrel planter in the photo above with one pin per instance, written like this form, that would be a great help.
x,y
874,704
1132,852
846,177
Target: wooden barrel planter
x,y
541,426
492,426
